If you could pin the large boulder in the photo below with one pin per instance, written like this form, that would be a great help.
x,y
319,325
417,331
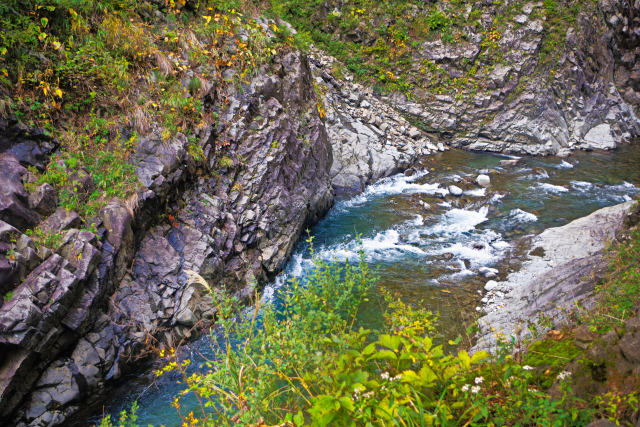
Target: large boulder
x,y
14,200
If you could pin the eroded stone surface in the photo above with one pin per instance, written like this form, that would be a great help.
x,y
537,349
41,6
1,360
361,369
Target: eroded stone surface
x,y
566,272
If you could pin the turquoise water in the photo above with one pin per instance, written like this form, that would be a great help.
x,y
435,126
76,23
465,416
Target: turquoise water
x,y
429,246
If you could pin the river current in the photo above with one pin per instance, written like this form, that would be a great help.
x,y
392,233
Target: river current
x,y
429,246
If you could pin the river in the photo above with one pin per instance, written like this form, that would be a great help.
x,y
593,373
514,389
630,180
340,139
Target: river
x,y
428,245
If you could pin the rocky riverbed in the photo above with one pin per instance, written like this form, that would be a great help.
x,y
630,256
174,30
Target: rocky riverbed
x,y
112,291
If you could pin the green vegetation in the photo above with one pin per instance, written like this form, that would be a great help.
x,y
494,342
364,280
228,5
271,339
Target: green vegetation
x,y
7,297
305,361
98,75
618,295
126,419
381,42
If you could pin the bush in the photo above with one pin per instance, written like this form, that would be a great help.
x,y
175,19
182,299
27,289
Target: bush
x,y
302,361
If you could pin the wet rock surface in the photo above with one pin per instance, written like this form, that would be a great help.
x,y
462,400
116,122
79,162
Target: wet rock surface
x,y
562,268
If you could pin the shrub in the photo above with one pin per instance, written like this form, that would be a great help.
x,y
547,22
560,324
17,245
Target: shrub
x,y
303,361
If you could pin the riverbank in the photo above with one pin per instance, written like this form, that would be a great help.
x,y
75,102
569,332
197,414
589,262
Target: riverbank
x,y
562,268
585,375
145,144
430,247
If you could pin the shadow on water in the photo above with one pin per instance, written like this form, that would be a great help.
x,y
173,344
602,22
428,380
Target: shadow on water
x,y
429,247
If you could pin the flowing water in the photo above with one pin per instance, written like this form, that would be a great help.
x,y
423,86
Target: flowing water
x,y
429,245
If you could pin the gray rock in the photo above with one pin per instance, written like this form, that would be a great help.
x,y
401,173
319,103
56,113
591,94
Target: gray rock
x,y
509,162
488,273
600,137
544,288
483,180
491,285
44,200
13,197
62,219
455,190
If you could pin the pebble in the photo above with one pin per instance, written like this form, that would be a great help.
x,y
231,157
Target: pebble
x,y
455,190
488,272
490,285
483,180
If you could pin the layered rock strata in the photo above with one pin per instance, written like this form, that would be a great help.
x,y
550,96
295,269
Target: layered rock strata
x,y
79,316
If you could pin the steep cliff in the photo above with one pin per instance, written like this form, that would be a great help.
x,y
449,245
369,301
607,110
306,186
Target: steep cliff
x,y
101,300
512,76
202,159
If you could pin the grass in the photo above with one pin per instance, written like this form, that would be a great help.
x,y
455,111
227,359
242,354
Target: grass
x,y
620,293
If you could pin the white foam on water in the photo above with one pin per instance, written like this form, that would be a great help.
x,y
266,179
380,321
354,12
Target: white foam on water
x,y
626,198
628,185
463,272
445,204
417,221
564,165
507,156
476,257
581,185
518,214
496,198
477,192
295,268
550,188
457,221
500,244
384,245
396,184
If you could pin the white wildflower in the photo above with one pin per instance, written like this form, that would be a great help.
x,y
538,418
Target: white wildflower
x,y
528,368
384,375
563,375
397,377
479,380
465,387
475,389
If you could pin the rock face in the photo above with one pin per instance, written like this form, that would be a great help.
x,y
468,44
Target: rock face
x,y
370,140
587,99
563,267
79,316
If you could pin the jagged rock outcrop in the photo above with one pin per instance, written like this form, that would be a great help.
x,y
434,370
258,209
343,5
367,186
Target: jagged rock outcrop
x,y
563,267
370,140
91,308
586,99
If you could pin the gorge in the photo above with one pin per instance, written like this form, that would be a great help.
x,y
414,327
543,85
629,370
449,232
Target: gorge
x,y
100,252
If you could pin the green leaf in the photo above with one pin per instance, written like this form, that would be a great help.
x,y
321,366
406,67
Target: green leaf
x,y
427,375
410,376
479,356
390,341
465,360
426,343
346,403
298,419
44,22
369,350
385,355
359,376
